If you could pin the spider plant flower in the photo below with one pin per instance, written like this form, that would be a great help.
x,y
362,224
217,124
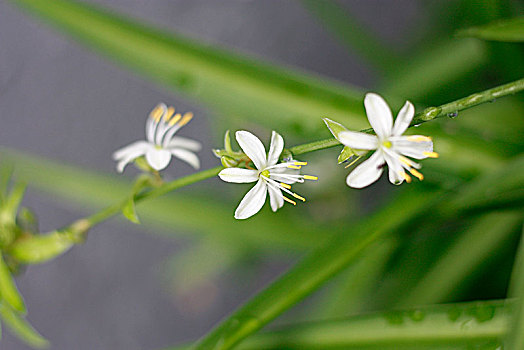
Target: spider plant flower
x,y
269,175
161,143
390,146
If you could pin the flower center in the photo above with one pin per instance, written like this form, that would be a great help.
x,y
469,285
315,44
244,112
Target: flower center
x,y
265,173
158,147
386,144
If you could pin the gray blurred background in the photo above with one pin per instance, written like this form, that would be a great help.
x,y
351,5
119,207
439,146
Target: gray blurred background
x,y
60,101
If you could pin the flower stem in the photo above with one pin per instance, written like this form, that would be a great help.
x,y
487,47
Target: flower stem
x,y
430,113
426,115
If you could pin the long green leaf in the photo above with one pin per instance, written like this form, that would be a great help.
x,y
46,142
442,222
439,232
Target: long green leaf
x,y
473,247
232,83
515,337
189,211
511,30
314,270
462,326
8,291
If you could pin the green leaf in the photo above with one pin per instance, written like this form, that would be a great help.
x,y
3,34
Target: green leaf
x,y
473,325
36,249
129,210
471,249
515,336
511,30
19,326
233,84
317,268
8,291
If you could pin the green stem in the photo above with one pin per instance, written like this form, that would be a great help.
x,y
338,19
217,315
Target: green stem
x,y
426,115
430,113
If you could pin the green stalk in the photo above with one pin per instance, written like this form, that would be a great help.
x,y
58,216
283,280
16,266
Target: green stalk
x,y
515,337
446,110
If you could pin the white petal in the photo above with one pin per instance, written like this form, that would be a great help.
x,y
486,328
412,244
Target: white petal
x,y
367,172
182,142
276,199
404,117
395,167
279,174
187,156
275,149
238,175
252,147
158,158
379,115
414,149
137,148
151,125
252,201
358,140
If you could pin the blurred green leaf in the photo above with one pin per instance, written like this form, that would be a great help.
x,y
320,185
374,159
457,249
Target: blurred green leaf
x,y
233,84
471,249
511,29
36,249
473,325
19,326
181,211
8,291
317,268
515,337
351,33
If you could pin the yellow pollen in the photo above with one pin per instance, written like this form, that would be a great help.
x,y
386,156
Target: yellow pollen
x,y
169,113
265,173
285,185
300,163
419,138
156,113
186,118
430,154
289,200
310,177
299,197
175,119
294,167
405,161
416,174
387,144
406,177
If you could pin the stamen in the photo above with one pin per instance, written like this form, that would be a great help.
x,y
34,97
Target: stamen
x,y
416,174
285,185
169,113
419,138
300,163
291,166
299,197
310,177
175,119
185,119
406,177
156,113
431,154
289,200
353,162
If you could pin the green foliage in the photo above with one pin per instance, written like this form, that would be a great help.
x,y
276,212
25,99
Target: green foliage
x,y
511,30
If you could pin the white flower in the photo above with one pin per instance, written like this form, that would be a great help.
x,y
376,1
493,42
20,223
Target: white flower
x,y
391,147
269,175
161,143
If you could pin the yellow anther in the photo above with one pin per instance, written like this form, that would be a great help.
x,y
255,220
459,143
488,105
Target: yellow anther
x,y
405,161
289,200
310,177
294,167
299,197
186,118
406,177
169,113
156,113
416,174
430,154
285,185
175,119
300,163
419,138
